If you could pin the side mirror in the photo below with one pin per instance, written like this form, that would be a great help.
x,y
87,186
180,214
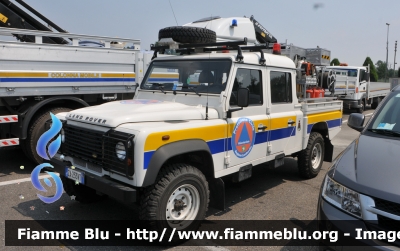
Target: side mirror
x,y
356,121
366,76
243,97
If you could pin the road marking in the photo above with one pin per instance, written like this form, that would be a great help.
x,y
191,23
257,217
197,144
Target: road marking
x,y
10,182
366,115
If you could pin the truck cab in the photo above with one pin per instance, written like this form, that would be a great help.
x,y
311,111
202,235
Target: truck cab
x,y
353,86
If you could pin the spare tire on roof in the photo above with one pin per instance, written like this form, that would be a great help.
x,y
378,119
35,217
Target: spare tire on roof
x,y
185,34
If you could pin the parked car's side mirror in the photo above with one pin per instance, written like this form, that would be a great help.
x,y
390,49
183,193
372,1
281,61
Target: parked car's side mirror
x,y
243,97
356,121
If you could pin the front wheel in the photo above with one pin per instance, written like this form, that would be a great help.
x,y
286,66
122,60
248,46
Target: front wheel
x,y
179,199
310,159
36,130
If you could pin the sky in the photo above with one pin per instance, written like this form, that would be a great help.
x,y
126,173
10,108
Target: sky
x,y
350,29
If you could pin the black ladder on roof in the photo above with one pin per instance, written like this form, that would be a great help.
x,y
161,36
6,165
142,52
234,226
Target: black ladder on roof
x,y
12,16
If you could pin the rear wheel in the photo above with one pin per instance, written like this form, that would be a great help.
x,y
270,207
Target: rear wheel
x,y
37,128
376,102
362,108
310,160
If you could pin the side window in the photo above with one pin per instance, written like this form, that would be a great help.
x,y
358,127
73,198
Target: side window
x,y
363,75
251,79
281,87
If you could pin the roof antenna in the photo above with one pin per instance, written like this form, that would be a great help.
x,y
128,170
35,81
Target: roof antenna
x,y
208,84
173,12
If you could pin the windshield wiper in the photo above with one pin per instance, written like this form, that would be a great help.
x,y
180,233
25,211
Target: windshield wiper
x,y
385,132
193,89
160,87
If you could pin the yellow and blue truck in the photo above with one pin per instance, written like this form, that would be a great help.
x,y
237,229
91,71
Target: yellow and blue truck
x,y
169,147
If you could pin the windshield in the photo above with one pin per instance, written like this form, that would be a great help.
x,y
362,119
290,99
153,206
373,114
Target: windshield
x,y
387,119
197,76
346,72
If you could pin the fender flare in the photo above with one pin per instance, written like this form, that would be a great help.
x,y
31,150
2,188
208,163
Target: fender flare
x,y
32,111
168,151
320,127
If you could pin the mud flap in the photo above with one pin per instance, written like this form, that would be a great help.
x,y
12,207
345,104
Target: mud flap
x,y
328,156
217,193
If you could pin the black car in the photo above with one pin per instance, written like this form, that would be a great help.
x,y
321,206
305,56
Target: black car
x,y
360,194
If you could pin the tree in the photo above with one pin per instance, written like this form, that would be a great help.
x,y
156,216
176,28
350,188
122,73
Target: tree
x,y
398,72
373,75
335,61
380,69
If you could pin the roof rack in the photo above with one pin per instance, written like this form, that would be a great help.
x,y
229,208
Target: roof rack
x,y
219,46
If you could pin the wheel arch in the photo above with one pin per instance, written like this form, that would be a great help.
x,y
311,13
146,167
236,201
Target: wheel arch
x,y
73,103
180,151
323,129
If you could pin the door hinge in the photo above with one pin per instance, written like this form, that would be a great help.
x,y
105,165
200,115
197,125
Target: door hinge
x,y
227,160
269,148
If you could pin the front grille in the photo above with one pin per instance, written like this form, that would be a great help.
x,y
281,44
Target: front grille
x,y
84,143
388,224
385,223
387,206
95,148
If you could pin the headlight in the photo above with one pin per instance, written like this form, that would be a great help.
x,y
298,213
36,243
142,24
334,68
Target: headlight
x,y
342,197
120,151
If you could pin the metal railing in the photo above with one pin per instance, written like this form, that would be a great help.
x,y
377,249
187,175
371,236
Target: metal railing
x,y
75,38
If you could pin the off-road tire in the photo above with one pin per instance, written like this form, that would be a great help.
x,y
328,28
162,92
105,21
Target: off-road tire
x,y
81,192
154,202
305,159
363,108
183,34
374,105
36,130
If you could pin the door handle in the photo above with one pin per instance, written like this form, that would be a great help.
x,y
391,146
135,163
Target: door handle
x,y
262,127
291,122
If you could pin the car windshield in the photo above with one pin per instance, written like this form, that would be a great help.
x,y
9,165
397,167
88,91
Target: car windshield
x,y
387,120
197,76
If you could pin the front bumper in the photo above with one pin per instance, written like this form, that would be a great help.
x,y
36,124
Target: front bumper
x,y
103,185
331,218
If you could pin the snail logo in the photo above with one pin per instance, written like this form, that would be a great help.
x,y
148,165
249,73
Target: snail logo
x,y
47,148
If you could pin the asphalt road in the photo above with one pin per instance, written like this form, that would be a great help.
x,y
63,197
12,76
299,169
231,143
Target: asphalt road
x,y
276,194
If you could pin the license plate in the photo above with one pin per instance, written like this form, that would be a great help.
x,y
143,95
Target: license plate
x,y
75,175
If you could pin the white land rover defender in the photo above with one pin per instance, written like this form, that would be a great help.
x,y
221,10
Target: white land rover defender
x,y
219,109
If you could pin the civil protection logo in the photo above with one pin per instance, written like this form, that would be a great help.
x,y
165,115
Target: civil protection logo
x,y
47,148
243,137
140,101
